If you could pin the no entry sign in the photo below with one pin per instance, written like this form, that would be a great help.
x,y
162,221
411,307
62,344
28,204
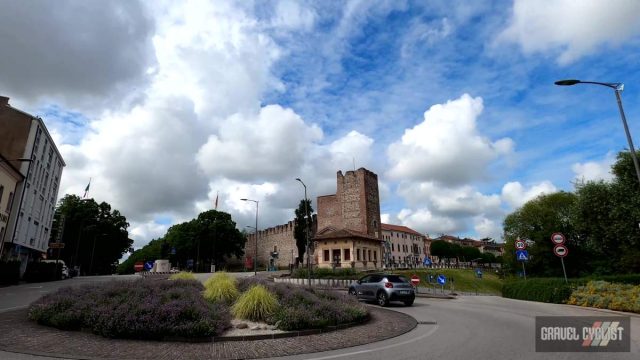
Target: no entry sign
x,y
415,280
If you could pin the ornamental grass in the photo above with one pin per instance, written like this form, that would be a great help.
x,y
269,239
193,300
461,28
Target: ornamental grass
x,y
221,287
256,304
183,275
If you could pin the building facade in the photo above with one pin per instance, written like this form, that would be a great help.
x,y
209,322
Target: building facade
x,y
10,177
346,229
24,136
404,247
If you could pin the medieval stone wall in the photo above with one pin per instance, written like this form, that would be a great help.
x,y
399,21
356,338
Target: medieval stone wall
x,y
278,238
329,212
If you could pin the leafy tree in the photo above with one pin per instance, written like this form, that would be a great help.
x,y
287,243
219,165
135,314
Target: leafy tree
x,y
208,239
95,236
469,253
300,227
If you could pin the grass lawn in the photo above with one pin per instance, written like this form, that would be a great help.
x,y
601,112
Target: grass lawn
x,y
464,280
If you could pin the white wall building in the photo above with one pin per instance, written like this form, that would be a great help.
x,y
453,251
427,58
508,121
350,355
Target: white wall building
x,y
23,136
404,247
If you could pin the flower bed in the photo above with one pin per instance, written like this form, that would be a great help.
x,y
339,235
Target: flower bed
x,y
134,309
300,308
183,309
604,295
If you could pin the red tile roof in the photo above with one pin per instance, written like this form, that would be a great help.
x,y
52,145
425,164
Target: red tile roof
x,y
400,228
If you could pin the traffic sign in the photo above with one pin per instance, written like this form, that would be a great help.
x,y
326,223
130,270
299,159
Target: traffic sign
x,y
557,238
426,261
442,279
560,250
415,280
56,245
148,265
522,255
521,244
138,266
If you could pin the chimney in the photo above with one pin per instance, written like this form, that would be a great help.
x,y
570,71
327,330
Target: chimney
x,y
4,101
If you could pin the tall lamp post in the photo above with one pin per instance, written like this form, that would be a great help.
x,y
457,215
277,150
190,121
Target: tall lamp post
x,y
617,89
255,251
306,220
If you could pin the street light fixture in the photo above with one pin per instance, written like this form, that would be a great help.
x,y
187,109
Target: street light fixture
x,y
255,252
306,220
617,88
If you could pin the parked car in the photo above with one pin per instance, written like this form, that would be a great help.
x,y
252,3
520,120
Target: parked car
x,y
384,288
65,272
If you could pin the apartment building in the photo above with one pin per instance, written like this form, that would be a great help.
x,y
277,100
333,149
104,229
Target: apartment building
x,y
24,136
404,247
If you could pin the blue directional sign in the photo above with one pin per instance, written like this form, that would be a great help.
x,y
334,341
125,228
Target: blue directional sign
x,y
442,279
148,265
522,255
426,262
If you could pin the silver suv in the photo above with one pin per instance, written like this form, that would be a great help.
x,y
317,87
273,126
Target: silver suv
x,y
383,288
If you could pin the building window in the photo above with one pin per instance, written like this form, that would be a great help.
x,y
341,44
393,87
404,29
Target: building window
x,y
1,191
347,254
375,255
369,253
358,254
32,241
392,247
325,256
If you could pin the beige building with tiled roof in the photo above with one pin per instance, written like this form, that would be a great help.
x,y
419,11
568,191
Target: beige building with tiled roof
x,y
403,246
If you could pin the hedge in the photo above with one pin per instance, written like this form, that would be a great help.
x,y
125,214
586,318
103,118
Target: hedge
x,y
43,271
549,290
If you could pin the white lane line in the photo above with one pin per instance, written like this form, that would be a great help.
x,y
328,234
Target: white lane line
x,y
13,308
427,334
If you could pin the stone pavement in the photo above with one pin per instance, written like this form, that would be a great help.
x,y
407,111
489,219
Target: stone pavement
x,y
19,335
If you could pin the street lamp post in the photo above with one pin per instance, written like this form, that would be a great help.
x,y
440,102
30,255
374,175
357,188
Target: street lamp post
x,y
617,88
306,220
255,252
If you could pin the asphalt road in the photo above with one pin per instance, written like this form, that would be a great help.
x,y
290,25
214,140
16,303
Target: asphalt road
x,y
469,328
475,328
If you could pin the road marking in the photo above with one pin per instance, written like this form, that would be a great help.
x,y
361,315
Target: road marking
x,y
34,287
427,334
13,308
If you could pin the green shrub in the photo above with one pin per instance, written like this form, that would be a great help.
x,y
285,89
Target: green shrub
x,y
549,290
631,279
257,304
183,275
221,287
134,309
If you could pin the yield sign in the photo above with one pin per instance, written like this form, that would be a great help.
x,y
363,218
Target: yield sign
x,y
522,255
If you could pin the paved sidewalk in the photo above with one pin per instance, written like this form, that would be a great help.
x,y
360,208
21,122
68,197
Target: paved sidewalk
x,y
19,335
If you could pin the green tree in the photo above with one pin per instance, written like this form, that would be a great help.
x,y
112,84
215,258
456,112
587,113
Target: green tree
x,y
469,253
95,236
300,227
535,222
441,249
208,239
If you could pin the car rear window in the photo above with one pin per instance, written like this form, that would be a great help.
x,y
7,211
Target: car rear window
x,y
396,279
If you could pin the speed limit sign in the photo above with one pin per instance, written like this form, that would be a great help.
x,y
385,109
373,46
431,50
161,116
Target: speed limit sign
x,y
557,238
520,244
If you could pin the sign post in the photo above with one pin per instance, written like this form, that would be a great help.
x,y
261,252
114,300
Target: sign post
x,y
522,256
560,250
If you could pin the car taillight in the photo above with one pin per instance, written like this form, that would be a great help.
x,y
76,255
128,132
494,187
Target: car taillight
x,y
388,285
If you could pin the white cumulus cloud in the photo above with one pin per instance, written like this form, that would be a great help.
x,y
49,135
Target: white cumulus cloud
x,y
446,147
516,195
571,28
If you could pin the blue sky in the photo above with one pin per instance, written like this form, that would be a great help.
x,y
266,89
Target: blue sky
x,y
451,103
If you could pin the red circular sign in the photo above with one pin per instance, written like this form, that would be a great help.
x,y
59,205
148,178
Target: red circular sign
x,y
557,238
138,266
415,280
560,250
521,245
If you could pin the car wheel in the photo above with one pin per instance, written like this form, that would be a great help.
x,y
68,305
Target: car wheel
x,y
383,299
408,302
353,292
